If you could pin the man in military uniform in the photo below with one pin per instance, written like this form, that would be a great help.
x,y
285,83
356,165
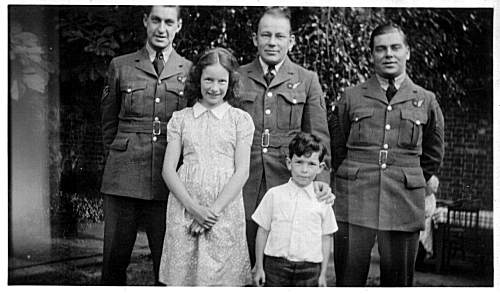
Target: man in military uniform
x,y
283,98
387,146
142,91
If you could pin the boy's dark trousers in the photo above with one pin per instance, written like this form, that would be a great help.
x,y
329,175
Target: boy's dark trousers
x,y
281,272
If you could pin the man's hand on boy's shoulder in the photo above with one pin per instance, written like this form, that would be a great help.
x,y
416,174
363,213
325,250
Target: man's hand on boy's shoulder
x,y
323,192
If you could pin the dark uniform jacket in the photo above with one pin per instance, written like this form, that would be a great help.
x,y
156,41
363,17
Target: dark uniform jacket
x,y
293,102
383,153
136,107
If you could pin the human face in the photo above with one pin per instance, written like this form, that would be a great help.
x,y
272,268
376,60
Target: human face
x,y
390,54
304,169
161,25
273,39
214,84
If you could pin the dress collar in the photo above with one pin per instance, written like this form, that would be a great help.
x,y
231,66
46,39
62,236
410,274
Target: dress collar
x,y
384,83
309,189
152,53
218,111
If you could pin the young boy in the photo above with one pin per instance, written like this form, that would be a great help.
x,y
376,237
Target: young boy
x,y
295,229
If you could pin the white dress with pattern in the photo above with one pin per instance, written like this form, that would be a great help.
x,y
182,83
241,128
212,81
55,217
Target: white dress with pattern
x,y
220,256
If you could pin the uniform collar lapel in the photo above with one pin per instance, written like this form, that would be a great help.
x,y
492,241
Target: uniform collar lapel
x,y
284,74
255,72
407,91
143,62
372,89
172,66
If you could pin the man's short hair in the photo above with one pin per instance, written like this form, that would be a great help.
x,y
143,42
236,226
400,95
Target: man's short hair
x,y
276,11
306,144
386,29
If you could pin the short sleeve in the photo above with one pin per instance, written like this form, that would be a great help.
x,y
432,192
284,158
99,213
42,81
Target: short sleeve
x,y
328,223
244,128
174,127
263,214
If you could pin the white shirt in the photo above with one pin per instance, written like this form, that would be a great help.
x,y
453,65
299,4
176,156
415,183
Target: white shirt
x,y
296,222
384,83
218,111
152,53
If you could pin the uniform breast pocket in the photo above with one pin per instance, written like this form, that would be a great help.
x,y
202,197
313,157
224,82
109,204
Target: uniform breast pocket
x,y
290,109
133,97
361,129
410,128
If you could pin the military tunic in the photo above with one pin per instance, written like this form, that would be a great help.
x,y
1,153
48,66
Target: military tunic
x,y
136,106
383,153
292,102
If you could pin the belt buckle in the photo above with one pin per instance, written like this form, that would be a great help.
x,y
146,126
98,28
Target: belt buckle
x,y
156,127
265,139
382,157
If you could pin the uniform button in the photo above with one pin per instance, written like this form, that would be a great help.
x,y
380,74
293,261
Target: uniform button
x,y
417,122
387,127
266,131
181,93
383,166
268,111
155,139
386,146
269,94
129,90
157,100
157,119
294,101
356,118
159,82
264,150
389,108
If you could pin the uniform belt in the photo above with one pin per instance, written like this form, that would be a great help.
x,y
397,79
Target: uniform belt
x,y
386,157
147,127
266,140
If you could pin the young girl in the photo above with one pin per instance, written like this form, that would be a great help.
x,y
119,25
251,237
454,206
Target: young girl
x,y
205,242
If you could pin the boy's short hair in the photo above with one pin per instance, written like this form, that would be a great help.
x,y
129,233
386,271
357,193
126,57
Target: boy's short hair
x,y
306,144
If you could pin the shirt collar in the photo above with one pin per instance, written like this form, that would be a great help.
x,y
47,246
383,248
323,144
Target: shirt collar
x,y
384,83
218,111
152,53
309,189
265,66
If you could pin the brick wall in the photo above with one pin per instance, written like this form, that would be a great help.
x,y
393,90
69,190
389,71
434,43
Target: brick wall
x,y
467,171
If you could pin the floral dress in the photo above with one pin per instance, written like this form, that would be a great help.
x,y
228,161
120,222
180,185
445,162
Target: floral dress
x,y
218,257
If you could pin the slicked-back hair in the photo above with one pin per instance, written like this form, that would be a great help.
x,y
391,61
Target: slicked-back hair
x,y
213,56
147,10
306,144
276,11
386,29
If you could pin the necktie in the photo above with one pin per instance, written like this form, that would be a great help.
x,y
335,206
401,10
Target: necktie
x,y
269,76
391,90
158,62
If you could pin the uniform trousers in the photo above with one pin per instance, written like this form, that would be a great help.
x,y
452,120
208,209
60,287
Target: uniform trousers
x,y
251,226
123,216
353,246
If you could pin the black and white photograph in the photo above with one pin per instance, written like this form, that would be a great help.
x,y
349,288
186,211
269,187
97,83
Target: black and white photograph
x,y
260,144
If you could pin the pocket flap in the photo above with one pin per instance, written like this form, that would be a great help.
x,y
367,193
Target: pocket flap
x,y
362,114
414,178
248,96
345,172
417,117
120,143
292,97
133,86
